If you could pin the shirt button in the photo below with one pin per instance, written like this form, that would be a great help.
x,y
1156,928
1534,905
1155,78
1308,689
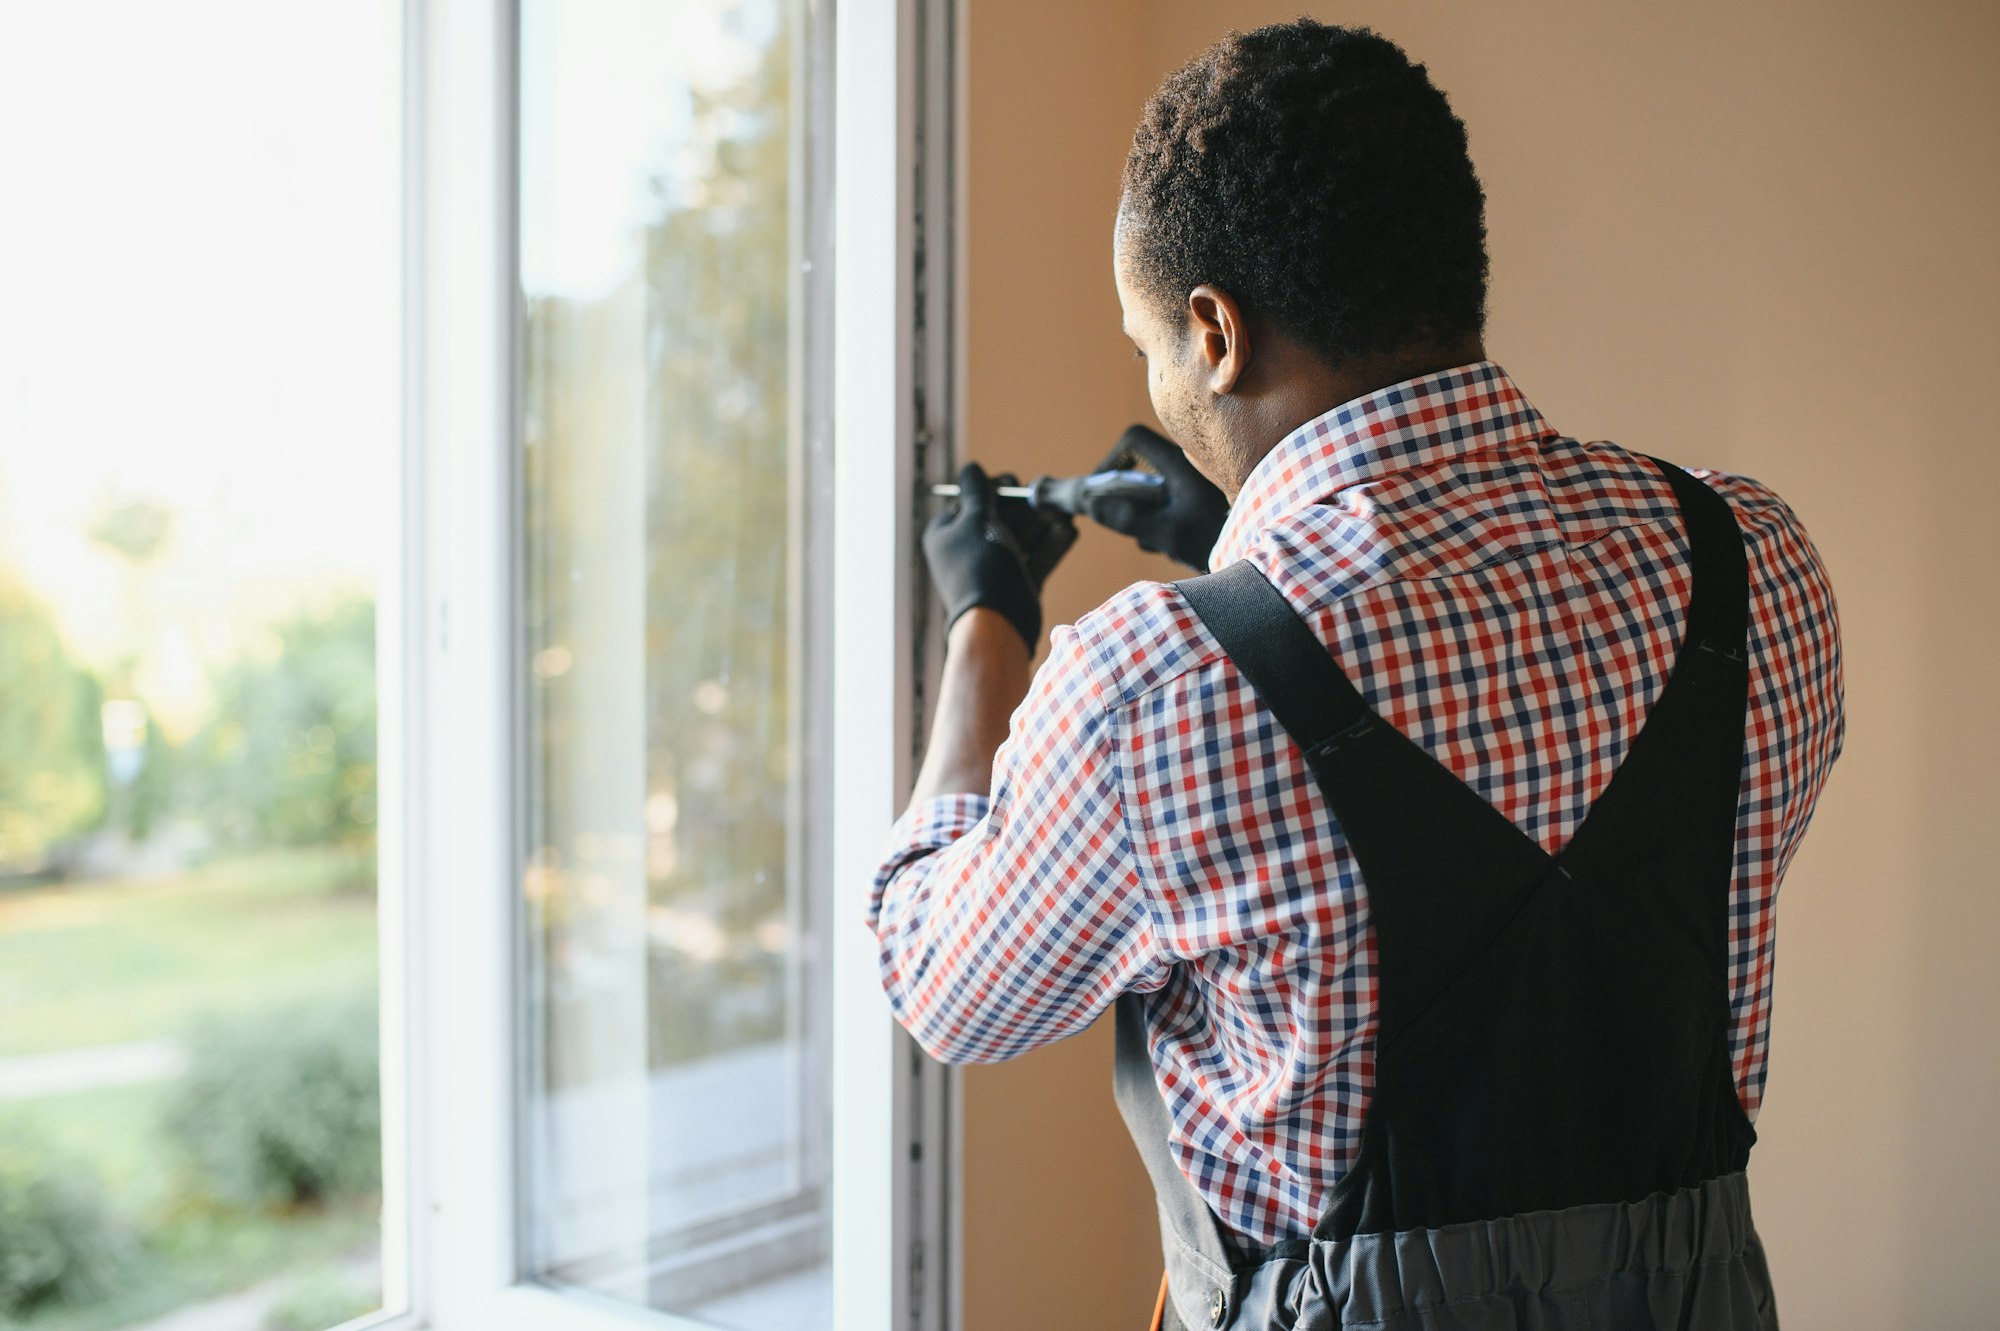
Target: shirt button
x,y
1218,1304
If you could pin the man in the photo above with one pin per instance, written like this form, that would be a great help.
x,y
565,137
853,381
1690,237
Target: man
x,y
1424,1018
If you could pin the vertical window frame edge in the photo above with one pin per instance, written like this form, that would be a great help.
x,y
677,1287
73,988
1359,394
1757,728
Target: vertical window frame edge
x,y
402,663
465,804
935,1090
891,1104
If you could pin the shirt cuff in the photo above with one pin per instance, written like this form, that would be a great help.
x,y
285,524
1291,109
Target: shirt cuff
x,y
925,828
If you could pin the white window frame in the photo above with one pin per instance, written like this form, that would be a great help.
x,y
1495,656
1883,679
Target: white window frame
x,y
450,652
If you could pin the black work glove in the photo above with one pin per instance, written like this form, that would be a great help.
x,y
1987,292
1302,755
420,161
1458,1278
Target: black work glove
x,y
987,551
1043,535
1185,527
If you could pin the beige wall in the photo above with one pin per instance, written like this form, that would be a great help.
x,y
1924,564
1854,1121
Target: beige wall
x,y
1735,238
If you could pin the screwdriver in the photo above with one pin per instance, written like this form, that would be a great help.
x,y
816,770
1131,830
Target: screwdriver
x,y
1074,494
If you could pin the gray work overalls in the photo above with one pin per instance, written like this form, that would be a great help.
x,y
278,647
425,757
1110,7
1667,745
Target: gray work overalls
x,y
1554,1139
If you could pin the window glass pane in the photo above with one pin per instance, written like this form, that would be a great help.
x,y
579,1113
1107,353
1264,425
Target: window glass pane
x,y
199,418
676,1124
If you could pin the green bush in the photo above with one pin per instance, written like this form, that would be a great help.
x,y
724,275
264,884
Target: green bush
x,y
59,1240
52,784
289,758
320,1300
284,1107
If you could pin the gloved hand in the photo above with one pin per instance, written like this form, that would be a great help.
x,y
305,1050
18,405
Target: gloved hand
x,y
1188,524
987,551
1043,535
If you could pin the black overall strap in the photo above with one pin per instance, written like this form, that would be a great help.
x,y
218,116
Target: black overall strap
x,y
1683,770
1358,759
1281,658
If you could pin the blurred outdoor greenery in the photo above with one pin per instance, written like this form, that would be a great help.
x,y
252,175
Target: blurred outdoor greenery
x,y
227,875
286,759
118,960
52,778
319,1300
58,1238
282,1107
289,758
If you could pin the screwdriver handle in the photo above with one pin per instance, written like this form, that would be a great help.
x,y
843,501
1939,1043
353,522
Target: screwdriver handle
x,y
1075,494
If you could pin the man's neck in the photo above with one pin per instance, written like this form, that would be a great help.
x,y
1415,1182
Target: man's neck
x,y
1294,386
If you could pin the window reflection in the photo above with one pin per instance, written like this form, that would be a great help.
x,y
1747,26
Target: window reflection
x,y
676,1126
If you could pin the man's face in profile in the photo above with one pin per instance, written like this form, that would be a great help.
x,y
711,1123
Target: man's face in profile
x,y
1174,381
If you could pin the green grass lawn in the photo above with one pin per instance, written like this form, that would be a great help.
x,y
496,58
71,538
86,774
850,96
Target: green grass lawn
x,y
114,961
138,959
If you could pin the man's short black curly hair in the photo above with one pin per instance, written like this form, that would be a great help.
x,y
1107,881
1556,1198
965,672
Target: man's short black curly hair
x,y
1319,177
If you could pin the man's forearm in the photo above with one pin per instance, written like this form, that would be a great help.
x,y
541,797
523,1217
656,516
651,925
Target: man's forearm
x,y
986,672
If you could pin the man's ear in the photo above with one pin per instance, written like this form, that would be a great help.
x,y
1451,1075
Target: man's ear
x,y
1221,336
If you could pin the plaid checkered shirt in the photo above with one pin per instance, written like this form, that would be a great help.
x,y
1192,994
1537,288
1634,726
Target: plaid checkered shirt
x,y
1509,599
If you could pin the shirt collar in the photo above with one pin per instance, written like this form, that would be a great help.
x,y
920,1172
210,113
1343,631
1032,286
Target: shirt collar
x,y
1400,428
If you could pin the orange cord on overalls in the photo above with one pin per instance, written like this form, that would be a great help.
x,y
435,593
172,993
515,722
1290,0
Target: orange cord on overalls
x,y
1159,1306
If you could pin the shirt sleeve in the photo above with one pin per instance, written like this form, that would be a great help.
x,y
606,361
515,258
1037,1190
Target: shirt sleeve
x,y
1010,923
1794,732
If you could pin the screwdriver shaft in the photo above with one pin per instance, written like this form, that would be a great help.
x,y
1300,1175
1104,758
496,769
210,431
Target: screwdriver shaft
x,y
1004,491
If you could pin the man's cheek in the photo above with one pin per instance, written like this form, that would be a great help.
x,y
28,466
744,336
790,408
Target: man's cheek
x,y
1178,416
1163,406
